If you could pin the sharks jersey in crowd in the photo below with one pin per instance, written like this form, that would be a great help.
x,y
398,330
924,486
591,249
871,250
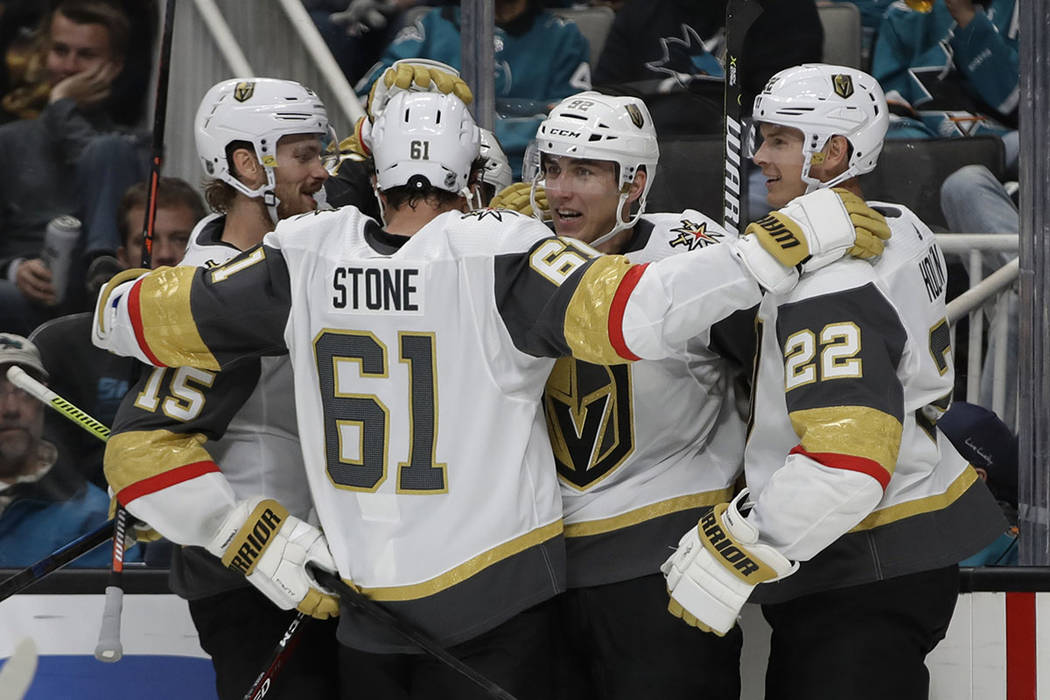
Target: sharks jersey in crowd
x,y
847,470
640,448
419,369
960,82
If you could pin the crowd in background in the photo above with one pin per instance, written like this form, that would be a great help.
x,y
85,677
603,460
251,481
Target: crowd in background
x,y
74,79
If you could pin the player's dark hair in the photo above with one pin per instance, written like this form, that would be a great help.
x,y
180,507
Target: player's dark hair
x,y
101,12
172,192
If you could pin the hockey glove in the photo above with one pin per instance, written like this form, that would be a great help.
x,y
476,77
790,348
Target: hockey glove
x,y
516,198
271,548
812,231
716,566
415,75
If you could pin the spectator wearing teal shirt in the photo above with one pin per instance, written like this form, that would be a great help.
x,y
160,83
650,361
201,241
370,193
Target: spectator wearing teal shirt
x,y
952,71
539,59
43,504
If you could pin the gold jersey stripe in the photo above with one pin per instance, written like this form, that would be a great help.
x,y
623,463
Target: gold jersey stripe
x,y
858,431
919,506
469,568
135,456
168,328
587,316
654,510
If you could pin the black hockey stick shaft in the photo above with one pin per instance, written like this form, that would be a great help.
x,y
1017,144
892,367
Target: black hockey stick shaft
x,y
740,15
377,612
160,109
281,653
56,560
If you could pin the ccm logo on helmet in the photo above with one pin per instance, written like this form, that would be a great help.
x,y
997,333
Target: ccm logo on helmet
x,y
724,546
564,132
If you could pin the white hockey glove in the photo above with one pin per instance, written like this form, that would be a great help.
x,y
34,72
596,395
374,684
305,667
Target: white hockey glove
x,y
812,231
271,548
715,567
415,75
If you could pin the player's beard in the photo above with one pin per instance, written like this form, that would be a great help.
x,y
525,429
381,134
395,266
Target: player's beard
x,y
294,201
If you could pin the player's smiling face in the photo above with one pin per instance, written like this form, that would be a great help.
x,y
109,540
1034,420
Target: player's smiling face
x,y
299,173
582,195
780,158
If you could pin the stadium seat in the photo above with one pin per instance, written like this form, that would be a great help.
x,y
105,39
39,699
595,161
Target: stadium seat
x,y
689,176
911,171
594,24
842,33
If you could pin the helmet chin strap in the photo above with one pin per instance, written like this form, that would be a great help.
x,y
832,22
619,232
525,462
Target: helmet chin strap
x,y
270,200
620,223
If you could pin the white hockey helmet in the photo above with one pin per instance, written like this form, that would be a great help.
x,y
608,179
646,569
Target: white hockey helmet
x,y
423,138
259,111
496,170
594,126
822,101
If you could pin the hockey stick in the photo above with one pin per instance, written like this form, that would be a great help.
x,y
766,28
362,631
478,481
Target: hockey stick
x,y
160,109
740,15
280,655
109,647
377,612
56,560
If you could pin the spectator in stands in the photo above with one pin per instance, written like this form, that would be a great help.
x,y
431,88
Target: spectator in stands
x,y
73,159
43,505
93,379
539,59
357,31
24,84
989,445
951,72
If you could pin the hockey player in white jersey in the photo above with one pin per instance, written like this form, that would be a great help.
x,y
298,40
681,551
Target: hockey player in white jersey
x,y
419,352
642,450
857,509
261,141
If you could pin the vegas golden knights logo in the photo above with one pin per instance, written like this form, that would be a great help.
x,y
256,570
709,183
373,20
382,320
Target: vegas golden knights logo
x,y
243,91
589,419
843,85
636,115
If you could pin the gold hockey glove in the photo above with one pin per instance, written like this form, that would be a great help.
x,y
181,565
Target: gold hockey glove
x,y
516,198
415,75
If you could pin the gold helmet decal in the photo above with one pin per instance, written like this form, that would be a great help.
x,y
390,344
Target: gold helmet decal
x,y
589,419
636,115
843,85
243,91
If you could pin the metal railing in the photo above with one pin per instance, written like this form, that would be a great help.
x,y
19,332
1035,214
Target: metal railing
x,y
973,247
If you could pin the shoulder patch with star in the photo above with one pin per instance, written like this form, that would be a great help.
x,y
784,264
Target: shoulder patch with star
x,y
694,235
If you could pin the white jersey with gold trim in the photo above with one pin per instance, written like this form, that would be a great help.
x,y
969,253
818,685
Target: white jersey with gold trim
x,y
641,448
846,468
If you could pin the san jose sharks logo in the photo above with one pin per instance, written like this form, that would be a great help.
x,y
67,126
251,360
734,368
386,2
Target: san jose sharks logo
x,y
694,235
243,91
688,56
589,419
